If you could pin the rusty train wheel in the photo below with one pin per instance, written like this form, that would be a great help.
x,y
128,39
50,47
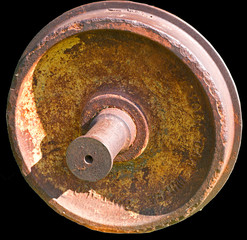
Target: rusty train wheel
x,y
162,74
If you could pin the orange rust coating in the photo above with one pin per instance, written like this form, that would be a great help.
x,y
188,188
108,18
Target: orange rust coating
x,y
181,144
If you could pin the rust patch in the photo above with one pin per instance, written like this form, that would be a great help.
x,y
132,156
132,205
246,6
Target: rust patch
x,y
178,111
182,135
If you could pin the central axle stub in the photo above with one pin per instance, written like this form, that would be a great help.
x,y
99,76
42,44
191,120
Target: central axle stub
x,y
108,99
90,157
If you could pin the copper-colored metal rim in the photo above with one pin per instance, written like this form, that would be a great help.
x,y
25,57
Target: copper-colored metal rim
x,y
185,42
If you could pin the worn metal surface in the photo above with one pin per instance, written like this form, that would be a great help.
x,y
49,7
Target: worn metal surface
x,y
90,157
177,79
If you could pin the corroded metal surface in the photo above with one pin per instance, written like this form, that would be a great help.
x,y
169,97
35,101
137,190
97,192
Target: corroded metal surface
x,y
181,125
176,78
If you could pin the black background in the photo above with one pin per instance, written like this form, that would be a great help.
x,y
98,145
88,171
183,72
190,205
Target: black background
x,y
25,214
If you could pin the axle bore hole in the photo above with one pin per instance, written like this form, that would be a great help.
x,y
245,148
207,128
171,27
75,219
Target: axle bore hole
x,y
88,159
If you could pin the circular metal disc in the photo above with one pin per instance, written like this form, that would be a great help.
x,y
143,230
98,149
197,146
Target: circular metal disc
x,y
165,67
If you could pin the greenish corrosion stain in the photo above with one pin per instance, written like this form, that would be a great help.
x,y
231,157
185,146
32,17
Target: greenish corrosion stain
x,y
182,138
